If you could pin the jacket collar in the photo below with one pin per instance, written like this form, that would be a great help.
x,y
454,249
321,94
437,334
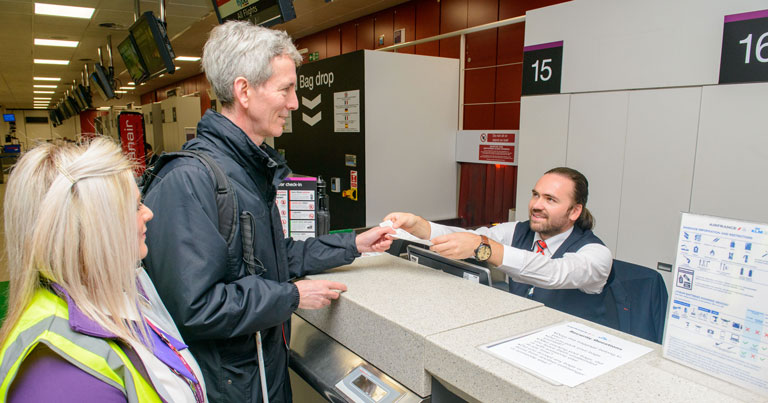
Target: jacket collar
x,y
231,140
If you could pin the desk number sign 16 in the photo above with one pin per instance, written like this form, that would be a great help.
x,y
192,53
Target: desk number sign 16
x,y
744,56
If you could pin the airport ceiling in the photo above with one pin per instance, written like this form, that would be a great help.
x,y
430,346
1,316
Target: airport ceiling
x,y
188,22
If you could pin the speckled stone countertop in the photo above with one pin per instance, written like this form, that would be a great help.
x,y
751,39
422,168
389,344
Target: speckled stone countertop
x,y
455,359
413,323
392,305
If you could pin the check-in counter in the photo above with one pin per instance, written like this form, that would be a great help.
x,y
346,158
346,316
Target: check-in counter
x,y
419,325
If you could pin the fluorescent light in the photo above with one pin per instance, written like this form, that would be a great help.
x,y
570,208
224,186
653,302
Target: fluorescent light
x,y
178,68
63,11
43,98
51,61
47,78
121,92
103,108
44,86
51,42
39,107
127,88
187,58
131,83
43,92
161,76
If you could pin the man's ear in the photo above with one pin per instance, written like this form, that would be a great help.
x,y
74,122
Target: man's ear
x,y
240,92
575,212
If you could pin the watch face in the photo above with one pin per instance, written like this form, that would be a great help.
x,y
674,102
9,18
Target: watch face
x,y
483,252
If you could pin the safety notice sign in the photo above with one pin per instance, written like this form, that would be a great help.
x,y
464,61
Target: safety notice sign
x,y
487,147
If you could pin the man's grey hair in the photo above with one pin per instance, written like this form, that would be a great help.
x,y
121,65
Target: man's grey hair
x,y
241,49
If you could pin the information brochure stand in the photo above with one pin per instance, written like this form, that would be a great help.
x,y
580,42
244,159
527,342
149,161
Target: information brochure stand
x,y
296,200
717,316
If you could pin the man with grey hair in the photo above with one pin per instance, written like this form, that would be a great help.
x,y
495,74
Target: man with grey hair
x,y
222,293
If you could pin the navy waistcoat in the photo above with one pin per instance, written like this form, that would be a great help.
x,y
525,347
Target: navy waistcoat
x,y
599,308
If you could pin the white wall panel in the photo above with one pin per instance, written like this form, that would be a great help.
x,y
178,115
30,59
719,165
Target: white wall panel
x,y
611,45
658,172
732,153
596,133
411,118
542,144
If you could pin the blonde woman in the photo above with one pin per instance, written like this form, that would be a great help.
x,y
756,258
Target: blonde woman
x,y
84,321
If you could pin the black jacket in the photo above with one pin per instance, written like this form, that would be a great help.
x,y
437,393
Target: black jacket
x,y
217,301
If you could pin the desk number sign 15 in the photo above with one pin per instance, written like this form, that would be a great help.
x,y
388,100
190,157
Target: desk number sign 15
x,y
744,55
542,68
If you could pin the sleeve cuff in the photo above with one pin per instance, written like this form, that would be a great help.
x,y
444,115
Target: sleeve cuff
x,y
352,252
296,297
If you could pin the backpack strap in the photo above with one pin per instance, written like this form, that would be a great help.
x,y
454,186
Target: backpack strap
x,y
226,202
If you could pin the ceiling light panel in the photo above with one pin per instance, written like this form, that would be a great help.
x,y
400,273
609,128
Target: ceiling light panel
x,y
187,58
44,86
47,78
52,42
63,11
43,92
51,61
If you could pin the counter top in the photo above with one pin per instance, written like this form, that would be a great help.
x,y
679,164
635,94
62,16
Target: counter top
x,y
392,305
455,359
413,323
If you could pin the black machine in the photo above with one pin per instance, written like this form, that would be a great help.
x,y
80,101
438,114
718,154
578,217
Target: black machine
x,y
152,47
265,12
129,51
102,81
458,268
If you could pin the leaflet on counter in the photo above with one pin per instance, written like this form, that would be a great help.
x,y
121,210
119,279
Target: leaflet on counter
x,y
569,353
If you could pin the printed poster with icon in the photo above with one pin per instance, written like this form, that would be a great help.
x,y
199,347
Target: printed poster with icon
x,y
717,320
296,202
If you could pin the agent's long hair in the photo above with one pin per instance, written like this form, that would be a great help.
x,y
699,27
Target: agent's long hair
x,y
70,218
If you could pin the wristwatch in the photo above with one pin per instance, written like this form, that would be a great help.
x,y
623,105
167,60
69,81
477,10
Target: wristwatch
x,y
483,251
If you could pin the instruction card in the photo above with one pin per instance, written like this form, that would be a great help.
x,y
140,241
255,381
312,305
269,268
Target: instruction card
x,y
296,203
716,320
569,353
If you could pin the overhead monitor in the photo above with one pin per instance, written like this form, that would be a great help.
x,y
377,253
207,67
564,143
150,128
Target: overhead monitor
x,y
153,45
84,95
261,12
101,80
79,101
129,51
53,117
9,117
67,110
72,104
458,268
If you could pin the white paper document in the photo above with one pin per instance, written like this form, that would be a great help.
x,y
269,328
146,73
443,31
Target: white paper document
x,y
717,321
404,235
569,353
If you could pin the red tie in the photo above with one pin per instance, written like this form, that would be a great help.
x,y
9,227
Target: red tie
x,y
540,246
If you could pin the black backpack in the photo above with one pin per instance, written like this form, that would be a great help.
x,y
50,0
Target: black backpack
x,y
226,204
225,194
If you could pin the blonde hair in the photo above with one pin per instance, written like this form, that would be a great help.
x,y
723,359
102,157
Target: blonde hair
x,y
70,218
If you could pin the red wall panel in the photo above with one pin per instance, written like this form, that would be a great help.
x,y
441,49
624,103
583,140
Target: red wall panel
x,y
365,33
453,17
427,25
478,117
506,116
479,86
348,37
405,17
333,42
383,28
509,81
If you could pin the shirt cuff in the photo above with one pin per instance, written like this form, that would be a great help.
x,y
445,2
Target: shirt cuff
x,y
514,259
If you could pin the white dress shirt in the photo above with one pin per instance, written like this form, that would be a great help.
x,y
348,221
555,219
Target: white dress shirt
x,y
586,269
